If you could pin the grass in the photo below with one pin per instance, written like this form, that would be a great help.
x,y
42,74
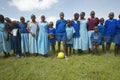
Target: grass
x,y
84,67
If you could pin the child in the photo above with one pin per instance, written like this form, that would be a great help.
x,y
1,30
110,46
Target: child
x,y
92,22
24,35
16,40
43,47
110,26
76,24
117,38
101,30
70,32
83,40
96,39
4,37
61,32
33,29
51,37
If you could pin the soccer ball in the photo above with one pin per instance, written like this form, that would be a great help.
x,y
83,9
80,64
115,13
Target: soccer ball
x,y
60,55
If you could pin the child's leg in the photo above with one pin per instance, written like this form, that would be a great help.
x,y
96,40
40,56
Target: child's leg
x,y
53,50
116,49
67,50
103,47
64,45
59,46
108,47
70,51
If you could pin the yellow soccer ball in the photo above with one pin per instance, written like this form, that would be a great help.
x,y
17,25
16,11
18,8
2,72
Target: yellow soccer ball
x,y
60,55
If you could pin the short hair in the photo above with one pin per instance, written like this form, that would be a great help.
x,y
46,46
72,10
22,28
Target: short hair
x,y
1,18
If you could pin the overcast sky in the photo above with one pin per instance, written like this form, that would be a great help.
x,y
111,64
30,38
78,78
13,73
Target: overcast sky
x,y
51,8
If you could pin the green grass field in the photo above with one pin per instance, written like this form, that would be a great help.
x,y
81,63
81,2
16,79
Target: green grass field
x,y
84,67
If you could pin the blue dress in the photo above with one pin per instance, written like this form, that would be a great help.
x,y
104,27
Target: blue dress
x,y
101,29
76,25
24,37
110,27
4,44
43,44
70,31
60,30
117,33
32,40
52,41
83,40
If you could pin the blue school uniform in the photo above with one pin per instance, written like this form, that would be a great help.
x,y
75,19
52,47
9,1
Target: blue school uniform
x,y
117,33
32,40
5,45
24,37
52,41
70,31
60,30
96,37
101,30
110,26
83,39
76,25
43,44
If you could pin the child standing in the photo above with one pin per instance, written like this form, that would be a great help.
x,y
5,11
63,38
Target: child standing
x,y
110,26
33,29
76,24
70,32
61,31
43,46
51,37
4,37
24,35
101,30
92,22
83,40
15,34
96,39
117,38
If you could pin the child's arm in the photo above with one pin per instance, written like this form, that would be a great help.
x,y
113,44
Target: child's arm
x,y
92,38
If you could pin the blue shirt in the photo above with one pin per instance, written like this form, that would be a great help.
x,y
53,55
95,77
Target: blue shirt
x,y
76,26
118,27
51,31
110,27
22,27
60,26
101,29
96,37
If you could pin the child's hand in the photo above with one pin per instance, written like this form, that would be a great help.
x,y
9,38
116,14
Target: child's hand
x,y
68,39
33,34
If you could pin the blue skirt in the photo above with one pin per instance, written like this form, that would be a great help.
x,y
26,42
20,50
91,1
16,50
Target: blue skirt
x,y
117,39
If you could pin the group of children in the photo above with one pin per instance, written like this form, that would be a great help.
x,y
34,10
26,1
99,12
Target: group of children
x,y
78,34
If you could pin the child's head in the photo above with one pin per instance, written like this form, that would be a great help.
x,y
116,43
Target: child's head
x,y
82,15
22,19
8,20
111,15
42,18
1,18
92,14
51,24
14,24
61,15
101,21
76,16
33,17
96,29
68,23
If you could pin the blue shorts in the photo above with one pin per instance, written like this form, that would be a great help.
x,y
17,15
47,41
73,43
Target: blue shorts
x,y
117,39
52,41
69,45
61,37
108,39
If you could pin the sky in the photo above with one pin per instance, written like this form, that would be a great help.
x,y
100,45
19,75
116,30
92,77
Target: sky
x,y
51,8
